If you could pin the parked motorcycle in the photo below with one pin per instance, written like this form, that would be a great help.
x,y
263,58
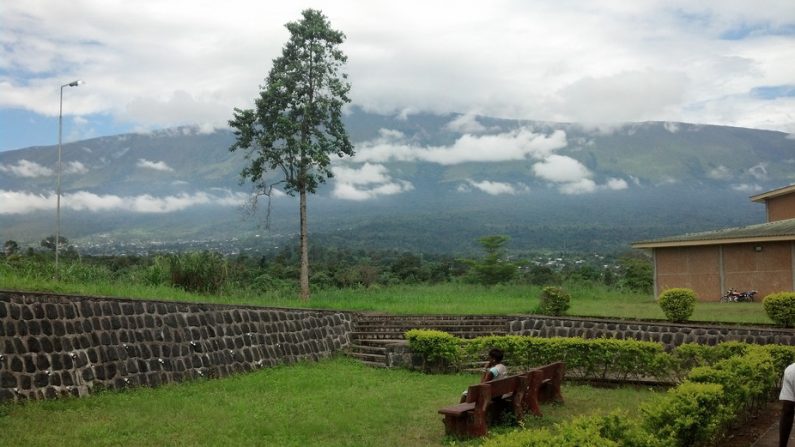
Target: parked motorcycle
x,y
735,296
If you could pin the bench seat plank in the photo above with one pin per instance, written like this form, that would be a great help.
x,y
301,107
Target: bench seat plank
x,y
458,408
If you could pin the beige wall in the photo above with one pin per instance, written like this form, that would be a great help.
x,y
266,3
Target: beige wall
x,y
780,208
766,271
744,268
696,268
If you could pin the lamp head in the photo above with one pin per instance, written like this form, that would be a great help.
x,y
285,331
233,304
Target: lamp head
x,y
75,83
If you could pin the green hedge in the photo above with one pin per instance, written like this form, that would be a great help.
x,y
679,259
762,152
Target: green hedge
x,y
722,384
780,307
435,346
589,358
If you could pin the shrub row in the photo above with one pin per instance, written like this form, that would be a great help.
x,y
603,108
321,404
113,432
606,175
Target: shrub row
x,y
700,410
596,358
613,430
721,384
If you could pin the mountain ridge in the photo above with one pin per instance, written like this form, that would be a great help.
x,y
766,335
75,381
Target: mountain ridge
x,y
445,178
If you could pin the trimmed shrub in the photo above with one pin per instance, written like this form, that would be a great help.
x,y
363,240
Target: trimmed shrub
x,y
782,356
689,415
554,301
435,346
780,307
678,304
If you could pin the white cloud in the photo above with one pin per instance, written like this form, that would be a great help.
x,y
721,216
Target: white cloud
x,y
671,127
515,145
156,165
747,187
191,62
466,123
572,177
366,182
496,188
75,167
624,96
18,202
25,168
759,171
561,169
582,186
719,173
616,184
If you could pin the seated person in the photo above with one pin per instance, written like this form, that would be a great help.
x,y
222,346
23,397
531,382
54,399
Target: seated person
x,y
494,369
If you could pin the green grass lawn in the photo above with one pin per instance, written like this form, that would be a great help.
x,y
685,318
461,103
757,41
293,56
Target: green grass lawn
x,y
444,298
336,402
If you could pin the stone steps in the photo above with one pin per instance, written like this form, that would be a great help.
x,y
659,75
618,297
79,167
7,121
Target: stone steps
x,y
372,332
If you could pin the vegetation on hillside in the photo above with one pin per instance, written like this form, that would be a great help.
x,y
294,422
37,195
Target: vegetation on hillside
x,y
382,281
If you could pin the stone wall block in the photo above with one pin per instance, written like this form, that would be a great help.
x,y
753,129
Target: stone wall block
x,y
64,345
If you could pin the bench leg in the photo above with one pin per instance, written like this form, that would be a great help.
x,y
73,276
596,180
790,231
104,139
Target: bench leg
x,y
456,425
478,426
531,396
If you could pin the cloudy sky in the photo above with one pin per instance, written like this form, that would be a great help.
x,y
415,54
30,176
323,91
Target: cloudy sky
x,y
154,64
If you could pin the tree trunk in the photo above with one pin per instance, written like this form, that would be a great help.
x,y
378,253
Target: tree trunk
x,y
304,276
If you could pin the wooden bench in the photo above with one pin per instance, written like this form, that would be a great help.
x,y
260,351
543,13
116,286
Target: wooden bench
x,y
486,400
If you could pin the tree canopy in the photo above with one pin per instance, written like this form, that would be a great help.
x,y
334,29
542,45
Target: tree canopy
x,y
297,123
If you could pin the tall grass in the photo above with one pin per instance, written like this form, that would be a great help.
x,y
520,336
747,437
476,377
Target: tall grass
x,y
337,402
588,299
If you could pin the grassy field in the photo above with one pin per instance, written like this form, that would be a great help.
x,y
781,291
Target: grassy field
x,y
305,404
445,298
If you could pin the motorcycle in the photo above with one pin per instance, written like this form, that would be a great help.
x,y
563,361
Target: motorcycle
x,y
734,296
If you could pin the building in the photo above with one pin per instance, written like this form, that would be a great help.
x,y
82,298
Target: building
x,y
759,257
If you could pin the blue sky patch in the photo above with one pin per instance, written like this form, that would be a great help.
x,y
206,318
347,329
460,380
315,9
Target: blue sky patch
x,y
773,92
745,30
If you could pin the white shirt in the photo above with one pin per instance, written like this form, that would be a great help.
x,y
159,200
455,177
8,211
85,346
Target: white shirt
x,y
499,370
788,384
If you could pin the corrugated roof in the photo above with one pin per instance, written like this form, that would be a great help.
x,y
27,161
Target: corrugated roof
x,y
782,230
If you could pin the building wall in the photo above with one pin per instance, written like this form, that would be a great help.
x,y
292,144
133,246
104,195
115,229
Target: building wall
x,y
764,267
696,268
711,270
780,208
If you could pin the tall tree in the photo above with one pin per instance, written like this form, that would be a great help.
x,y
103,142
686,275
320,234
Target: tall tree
x,y
493,268
297,123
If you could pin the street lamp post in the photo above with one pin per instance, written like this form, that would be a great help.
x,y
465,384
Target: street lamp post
x,y
58,189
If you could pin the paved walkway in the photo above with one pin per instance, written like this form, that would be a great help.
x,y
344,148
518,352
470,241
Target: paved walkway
x,y
770,438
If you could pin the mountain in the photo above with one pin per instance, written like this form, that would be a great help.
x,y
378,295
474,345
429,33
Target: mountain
x,y
423,182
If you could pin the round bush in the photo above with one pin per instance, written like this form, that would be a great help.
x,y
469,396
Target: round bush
x,y
678,303
780,307
554,301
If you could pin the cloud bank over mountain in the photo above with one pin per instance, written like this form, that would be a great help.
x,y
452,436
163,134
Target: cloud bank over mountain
x,y
17,202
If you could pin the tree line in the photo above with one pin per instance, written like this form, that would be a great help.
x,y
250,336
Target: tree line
x,y
214,273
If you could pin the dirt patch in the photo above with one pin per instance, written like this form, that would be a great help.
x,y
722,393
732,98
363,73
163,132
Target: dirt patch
x,y
746,434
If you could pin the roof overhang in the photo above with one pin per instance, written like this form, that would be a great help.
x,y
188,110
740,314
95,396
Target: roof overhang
x,y
728,241
774,193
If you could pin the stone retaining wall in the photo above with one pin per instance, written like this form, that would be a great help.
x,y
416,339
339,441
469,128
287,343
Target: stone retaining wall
x,y
53,345
669,334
